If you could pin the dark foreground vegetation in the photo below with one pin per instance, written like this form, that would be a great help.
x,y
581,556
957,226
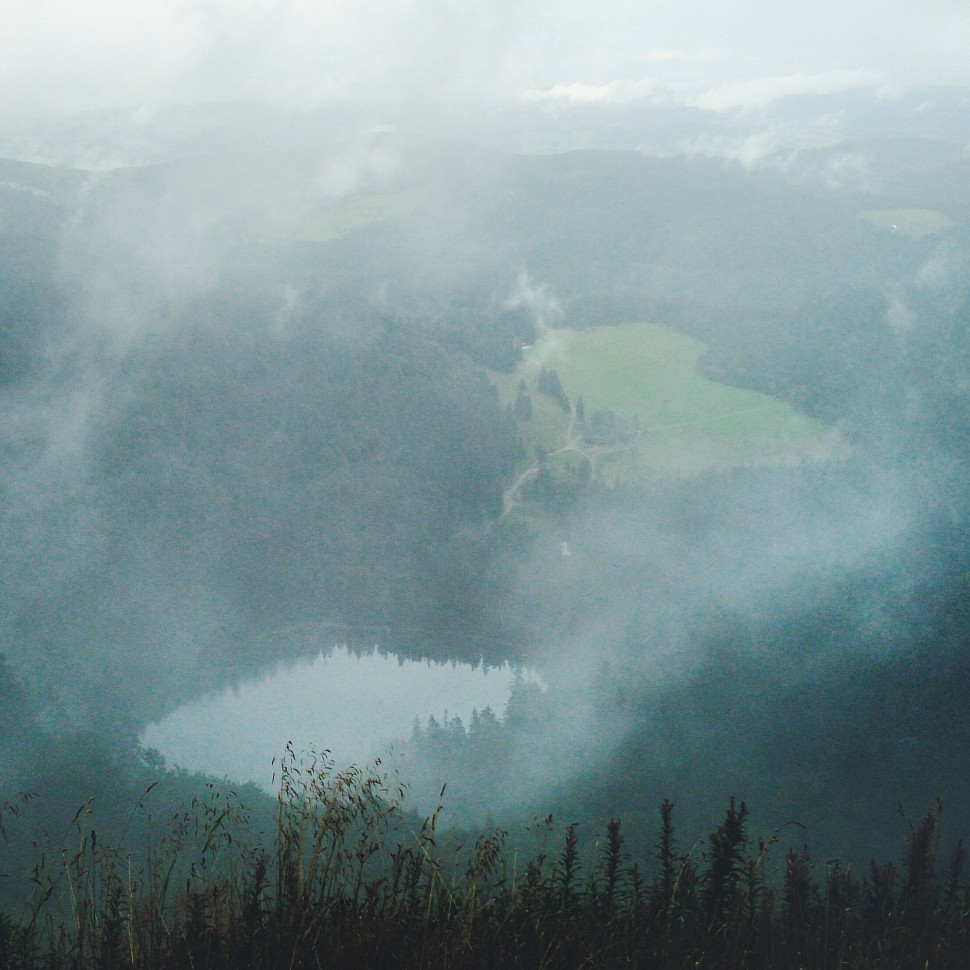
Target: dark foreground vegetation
x,y
348,879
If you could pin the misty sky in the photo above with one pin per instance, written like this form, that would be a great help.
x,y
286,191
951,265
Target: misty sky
x,y
59,56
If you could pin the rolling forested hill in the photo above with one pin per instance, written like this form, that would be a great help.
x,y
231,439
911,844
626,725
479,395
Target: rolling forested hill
x,y
219,456
238,399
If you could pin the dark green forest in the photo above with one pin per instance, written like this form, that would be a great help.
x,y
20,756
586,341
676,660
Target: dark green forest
x,y
217,433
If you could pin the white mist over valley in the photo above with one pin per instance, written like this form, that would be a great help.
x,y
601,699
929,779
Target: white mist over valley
x,y
561,412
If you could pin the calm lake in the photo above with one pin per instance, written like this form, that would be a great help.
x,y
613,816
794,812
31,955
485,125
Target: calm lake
x,y
355,706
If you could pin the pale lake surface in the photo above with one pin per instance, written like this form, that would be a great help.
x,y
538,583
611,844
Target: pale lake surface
x,y
354,706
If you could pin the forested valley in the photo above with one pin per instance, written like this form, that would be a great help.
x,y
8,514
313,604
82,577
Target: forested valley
x,y
238,408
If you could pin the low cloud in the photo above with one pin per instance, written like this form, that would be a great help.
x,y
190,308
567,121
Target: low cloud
x,y
733,97
576,92
777,143
757,93
536,298
752,150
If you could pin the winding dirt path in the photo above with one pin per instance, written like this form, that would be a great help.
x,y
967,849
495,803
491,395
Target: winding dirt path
x,y
512,496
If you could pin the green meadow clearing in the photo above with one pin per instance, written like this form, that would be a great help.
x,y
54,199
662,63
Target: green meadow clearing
x,y
688,424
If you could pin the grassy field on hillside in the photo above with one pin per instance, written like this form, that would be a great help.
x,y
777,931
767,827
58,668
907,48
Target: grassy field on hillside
x,y
687,423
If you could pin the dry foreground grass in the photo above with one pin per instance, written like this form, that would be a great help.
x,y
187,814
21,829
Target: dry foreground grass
x,y
350,880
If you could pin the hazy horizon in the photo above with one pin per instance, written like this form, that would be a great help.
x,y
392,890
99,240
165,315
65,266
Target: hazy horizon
x,y
58,59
